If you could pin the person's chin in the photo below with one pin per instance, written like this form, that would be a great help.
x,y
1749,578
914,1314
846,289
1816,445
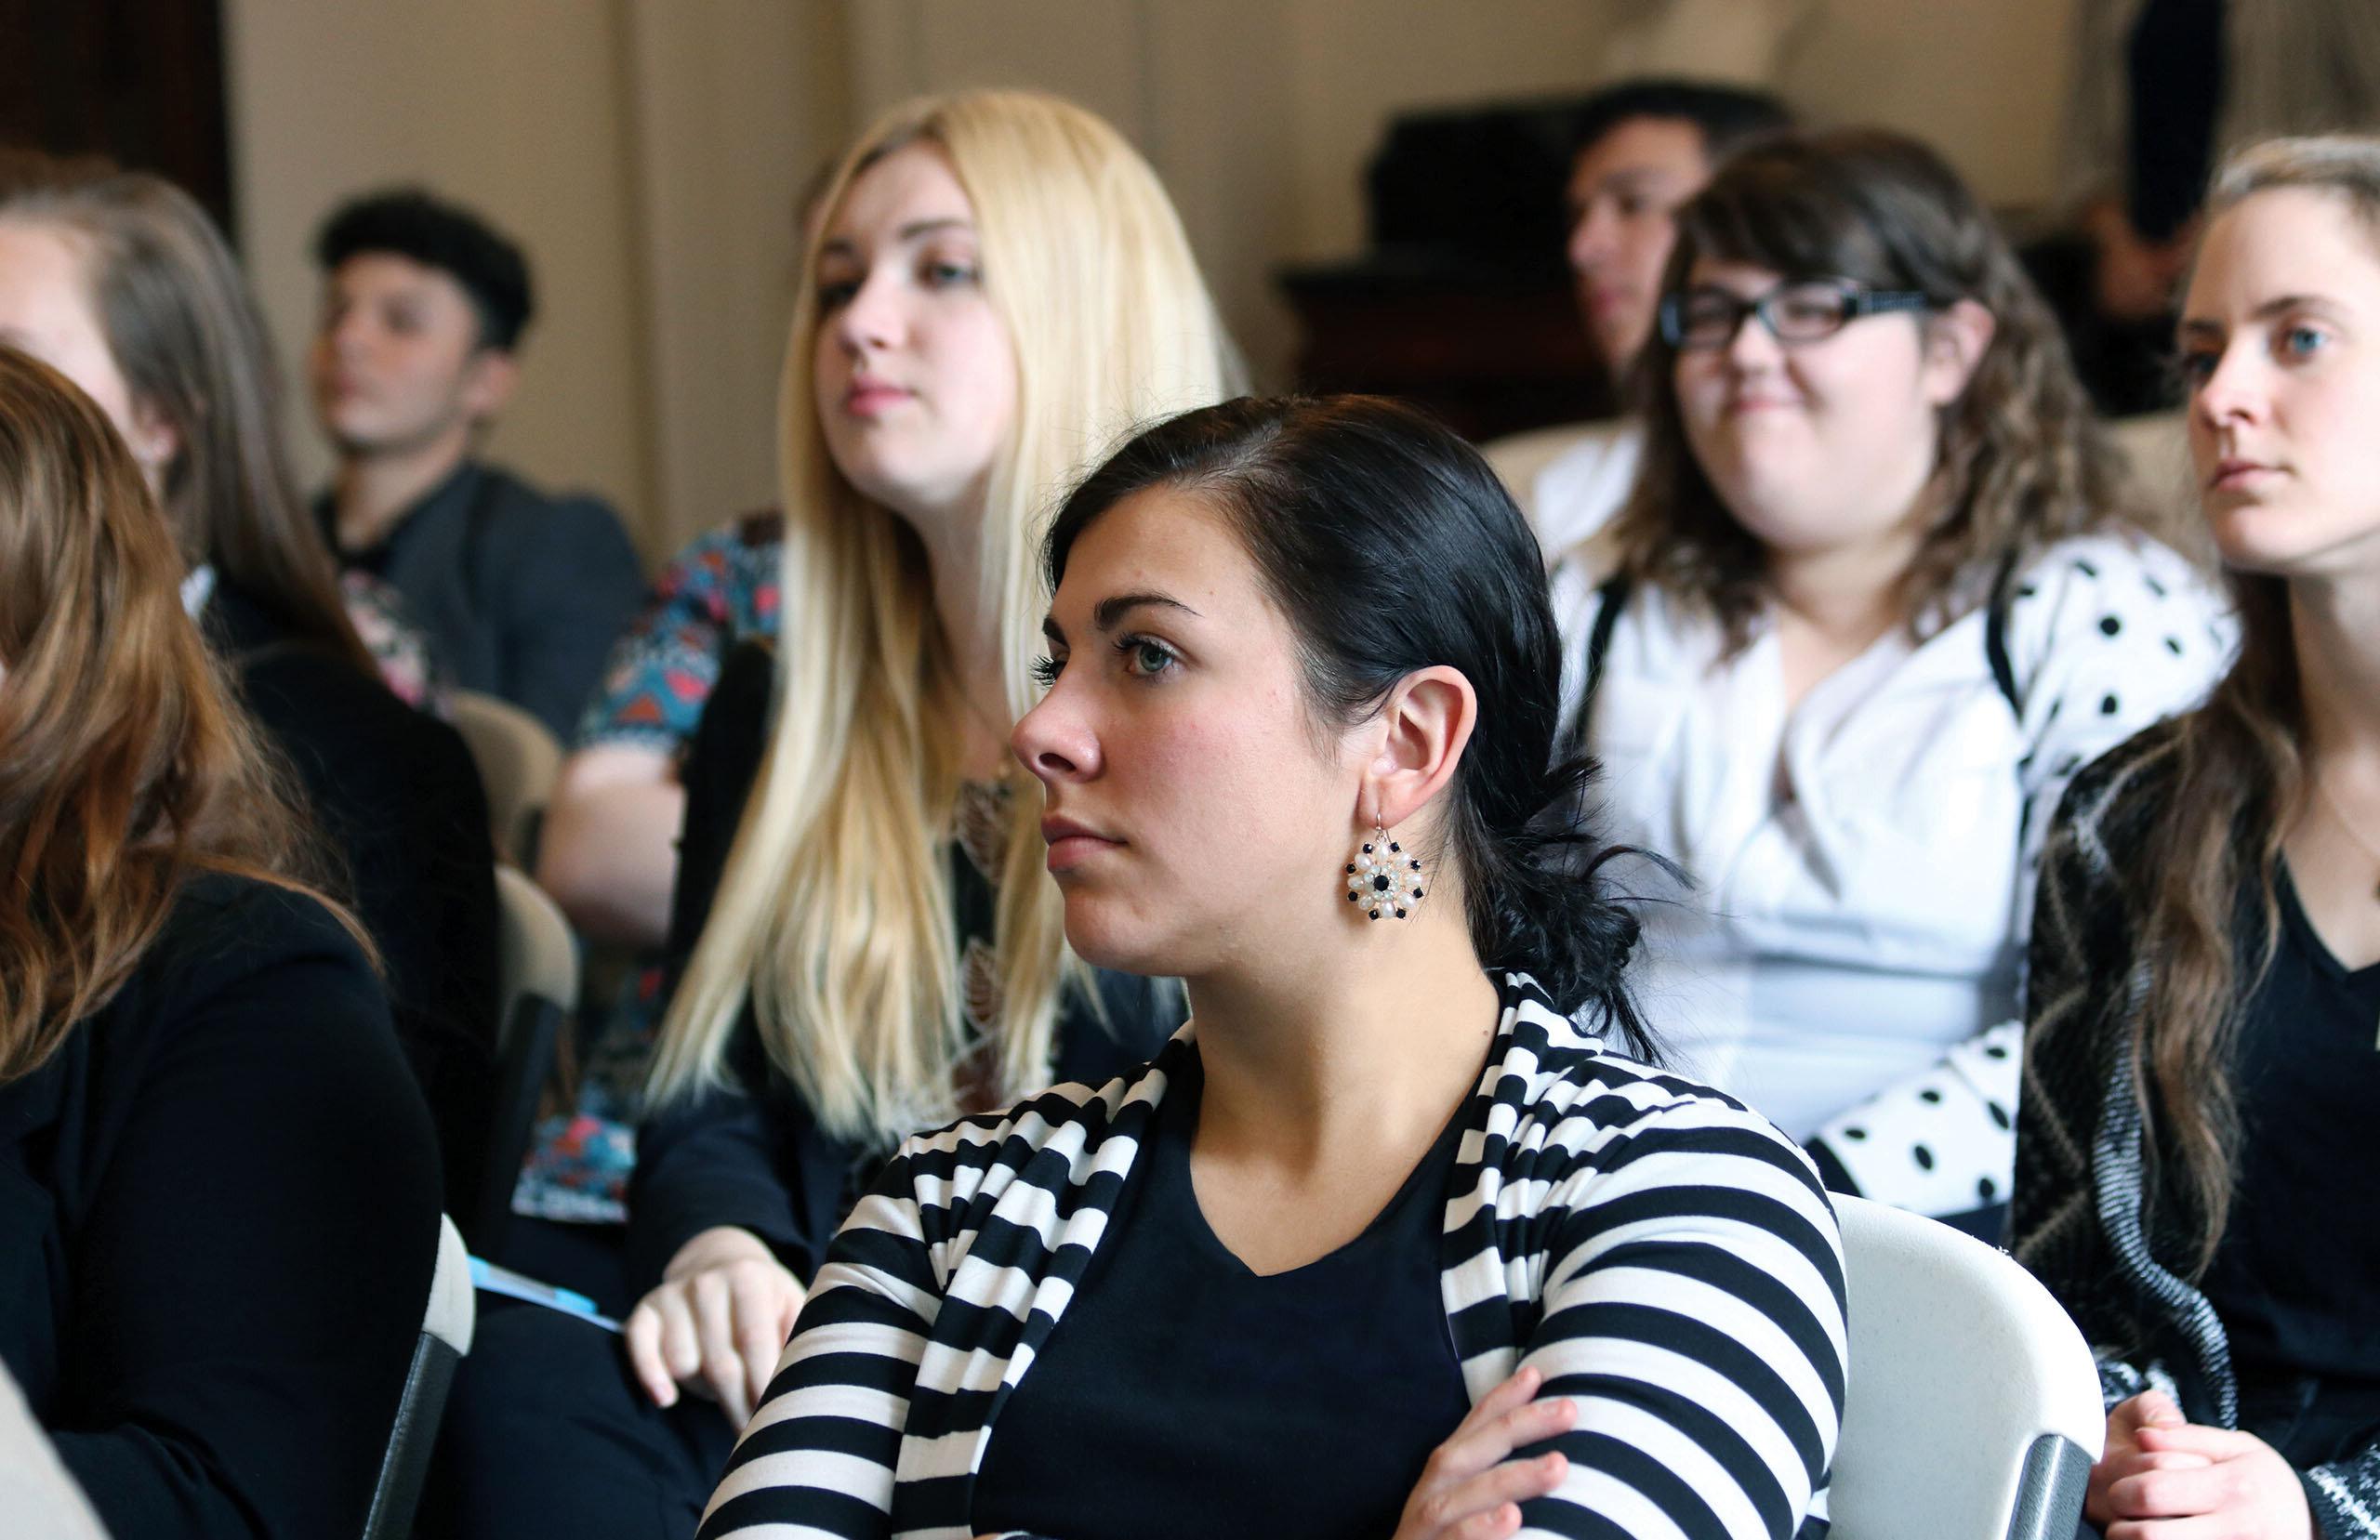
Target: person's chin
x,y
1107,938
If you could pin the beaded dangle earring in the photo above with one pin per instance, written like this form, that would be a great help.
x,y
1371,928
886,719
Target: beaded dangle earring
x,y
1382,878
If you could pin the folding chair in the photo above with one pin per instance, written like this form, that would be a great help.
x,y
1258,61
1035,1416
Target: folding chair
x,y
445,1338
538,993
518,760
1974,1408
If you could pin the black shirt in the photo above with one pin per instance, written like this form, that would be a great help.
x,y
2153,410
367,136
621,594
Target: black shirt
x,y
398,799
1168,1401
219,1217
2296,1280
523,594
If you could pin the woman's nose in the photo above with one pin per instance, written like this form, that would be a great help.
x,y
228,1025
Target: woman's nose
x,y
1053,742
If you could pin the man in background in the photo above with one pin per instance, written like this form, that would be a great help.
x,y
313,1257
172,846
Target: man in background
x,y
1647,146
414,357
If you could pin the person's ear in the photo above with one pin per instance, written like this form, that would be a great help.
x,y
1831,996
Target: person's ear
x,y
153,438
1956,339
1422,731
489,378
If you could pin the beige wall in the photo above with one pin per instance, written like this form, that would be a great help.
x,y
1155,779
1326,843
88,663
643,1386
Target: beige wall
x,y
514,107
647,152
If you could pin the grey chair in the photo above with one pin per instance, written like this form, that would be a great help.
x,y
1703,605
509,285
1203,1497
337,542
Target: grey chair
x,y
1973,1409
445,1338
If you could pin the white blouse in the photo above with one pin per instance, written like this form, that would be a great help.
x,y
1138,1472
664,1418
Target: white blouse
x,y
1863,864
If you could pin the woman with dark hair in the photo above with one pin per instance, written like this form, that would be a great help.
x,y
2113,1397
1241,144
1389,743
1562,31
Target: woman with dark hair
x,y
218,1196
1873,600
2195,1160
1383,1240
120,281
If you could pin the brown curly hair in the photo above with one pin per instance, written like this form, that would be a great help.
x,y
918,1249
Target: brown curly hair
x,y
2020,460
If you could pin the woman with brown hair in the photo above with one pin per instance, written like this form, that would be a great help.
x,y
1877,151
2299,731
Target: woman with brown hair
x,y
218,1197
119,280
1873,601
2195,1164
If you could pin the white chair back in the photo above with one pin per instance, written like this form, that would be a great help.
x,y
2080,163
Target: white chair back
x,y
518,761
1972,1407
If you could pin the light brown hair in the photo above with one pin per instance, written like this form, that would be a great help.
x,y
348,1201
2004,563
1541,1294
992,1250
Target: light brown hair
x,y
124,766
2234,779
2020,461
186,335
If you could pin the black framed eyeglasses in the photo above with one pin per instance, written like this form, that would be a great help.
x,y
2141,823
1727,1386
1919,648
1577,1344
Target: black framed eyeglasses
x,y
1706,319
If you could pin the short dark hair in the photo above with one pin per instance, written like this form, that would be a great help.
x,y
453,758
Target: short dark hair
x,y
1391,547
411,223
1727,116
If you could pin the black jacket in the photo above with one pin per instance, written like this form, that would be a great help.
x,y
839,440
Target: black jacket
x,y
523,594
760,1161
218,1219
399,800
2081,1216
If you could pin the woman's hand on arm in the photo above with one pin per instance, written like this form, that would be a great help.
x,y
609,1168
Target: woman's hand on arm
x,y
2165,1479
716,1323
608,853
1472,1487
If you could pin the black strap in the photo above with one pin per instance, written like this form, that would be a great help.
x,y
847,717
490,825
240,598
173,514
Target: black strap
x,y
1995,635
1611,597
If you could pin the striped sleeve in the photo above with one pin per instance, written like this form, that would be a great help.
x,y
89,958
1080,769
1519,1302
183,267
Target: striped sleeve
x,y
817,1458
1693,1308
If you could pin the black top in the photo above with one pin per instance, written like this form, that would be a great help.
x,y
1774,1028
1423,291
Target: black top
x,y
1168,1401
763,1163
218,1219
399,800
523,594
2297,1278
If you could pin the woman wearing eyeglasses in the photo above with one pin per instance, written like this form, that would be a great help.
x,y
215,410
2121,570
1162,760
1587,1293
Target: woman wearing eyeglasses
x,y
1873,600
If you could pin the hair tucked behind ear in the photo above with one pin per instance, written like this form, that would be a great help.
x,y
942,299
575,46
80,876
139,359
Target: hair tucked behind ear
x,y
1391,547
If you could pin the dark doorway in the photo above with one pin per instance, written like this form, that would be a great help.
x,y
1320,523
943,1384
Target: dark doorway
x,y
137,81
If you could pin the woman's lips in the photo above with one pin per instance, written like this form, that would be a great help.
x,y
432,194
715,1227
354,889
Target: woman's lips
x,y
1071,844
2240,475
868,399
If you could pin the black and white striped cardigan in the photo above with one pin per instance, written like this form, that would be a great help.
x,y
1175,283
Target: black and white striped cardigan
x,y
2079,1216
1665,1257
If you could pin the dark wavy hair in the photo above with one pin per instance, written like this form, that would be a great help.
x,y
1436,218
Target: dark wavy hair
x,y
1391,547
2020,461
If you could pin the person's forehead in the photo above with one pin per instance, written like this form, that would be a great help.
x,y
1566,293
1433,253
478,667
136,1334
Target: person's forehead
x,y
1644,146
913,184
392,275
2301,239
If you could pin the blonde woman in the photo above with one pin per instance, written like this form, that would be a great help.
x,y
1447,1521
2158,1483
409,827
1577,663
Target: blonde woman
x,y
999,291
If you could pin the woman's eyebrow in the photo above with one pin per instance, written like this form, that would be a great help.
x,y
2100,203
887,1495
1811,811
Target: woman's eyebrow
x,y
1109,612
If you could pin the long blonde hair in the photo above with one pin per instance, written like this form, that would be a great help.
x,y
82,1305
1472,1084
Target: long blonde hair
x,y
833,917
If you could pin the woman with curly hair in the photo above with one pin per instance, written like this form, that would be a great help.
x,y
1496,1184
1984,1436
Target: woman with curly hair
x,y
1873,600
